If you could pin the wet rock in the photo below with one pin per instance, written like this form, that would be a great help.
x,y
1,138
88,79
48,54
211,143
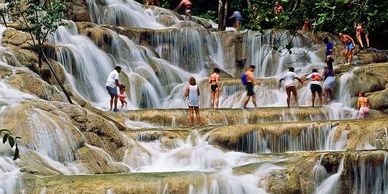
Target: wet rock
x,y
30,83
78,11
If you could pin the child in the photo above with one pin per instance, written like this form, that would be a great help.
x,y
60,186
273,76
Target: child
x,y
363,105
192,92
122,96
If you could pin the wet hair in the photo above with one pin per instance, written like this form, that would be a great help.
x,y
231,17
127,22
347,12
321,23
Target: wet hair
x,y
325,40
117,68
362,93
252,66
315,70
291,69
216,70
192,81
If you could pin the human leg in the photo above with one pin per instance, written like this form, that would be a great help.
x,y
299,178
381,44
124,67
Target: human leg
x,y
367,39
216,97
288,91
191,115
115,99
197,117
254,101
295,94
359,39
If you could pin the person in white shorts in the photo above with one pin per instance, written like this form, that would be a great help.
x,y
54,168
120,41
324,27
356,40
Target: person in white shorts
x,y
289,83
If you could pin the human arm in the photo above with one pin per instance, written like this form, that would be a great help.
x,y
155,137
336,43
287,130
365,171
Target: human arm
x,y
179,6
300,80
280,82
358,103
198,91
186,93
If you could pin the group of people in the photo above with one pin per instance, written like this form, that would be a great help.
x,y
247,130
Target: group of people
x,y
349,43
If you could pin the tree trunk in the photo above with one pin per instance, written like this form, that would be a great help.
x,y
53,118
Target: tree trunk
x,y
56,77
222,11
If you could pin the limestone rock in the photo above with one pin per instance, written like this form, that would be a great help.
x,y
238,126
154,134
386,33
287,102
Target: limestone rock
x,y
78,11
30,83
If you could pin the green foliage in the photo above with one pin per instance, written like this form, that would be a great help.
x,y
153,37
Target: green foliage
x,y
325,15
38,18
12,141
210,15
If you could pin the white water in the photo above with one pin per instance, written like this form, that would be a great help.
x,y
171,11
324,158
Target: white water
x,y
331,184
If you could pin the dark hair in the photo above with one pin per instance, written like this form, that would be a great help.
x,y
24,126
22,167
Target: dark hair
x,y
325,40
291,69
362,93
122,86
252,66
192,81
315,70
117,68
216,70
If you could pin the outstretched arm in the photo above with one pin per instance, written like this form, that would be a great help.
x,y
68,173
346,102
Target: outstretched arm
x,y
300,80
280,82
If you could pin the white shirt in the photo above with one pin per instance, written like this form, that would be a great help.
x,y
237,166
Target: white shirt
x,y
289,78
317,82
112,77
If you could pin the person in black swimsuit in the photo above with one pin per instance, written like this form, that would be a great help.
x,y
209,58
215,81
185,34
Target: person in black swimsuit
x,y
214,86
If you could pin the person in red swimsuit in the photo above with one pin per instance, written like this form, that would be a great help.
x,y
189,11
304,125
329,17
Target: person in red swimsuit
x,y
359,31
187,5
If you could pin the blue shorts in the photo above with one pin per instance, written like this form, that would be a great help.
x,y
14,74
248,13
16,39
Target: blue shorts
x,y
111,91
349,46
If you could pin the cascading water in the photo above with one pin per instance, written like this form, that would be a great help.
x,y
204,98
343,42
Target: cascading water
x,y
156,68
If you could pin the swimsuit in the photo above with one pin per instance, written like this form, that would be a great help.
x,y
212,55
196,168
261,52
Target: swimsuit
x,y
249,88
213,87
349,45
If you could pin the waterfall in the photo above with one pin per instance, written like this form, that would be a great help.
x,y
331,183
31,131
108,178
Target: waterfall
x,y
331,184
369,177
122,13
310,138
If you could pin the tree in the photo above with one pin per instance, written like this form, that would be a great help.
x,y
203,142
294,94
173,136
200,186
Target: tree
x,y
222,14
39,19
12,141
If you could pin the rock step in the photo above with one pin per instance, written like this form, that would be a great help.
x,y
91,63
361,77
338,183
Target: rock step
x,y
302,136
295,173
281,137
179,117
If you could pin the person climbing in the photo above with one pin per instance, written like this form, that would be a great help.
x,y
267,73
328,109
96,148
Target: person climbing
x,y
187,5
192,93
214,81
349,46
359,31
363,105
329,47
315,86
277,8
250,81
289,78
122,96
237,19
329,80
111,85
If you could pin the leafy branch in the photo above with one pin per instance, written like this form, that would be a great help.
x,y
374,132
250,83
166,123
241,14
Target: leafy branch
x,y
12,141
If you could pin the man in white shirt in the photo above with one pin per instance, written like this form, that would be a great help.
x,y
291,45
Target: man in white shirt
x,y
111,85
316,85
289,78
